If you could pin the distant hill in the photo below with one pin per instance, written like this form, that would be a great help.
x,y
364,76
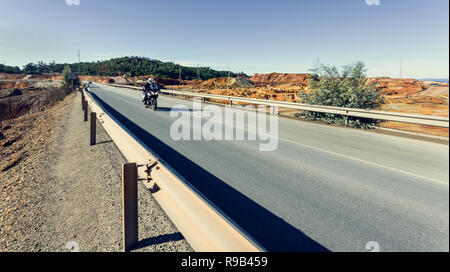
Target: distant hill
x,y
129,66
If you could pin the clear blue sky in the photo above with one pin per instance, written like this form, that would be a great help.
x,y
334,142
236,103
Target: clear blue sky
x,y
252,36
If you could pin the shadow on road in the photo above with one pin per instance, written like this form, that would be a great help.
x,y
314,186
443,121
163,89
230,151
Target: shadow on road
x,y
175,109
271,231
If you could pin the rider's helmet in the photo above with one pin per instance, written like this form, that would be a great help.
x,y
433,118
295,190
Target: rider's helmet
x,y
150,80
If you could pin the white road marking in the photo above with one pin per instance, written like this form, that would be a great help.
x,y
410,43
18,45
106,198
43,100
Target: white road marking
x,y
368,162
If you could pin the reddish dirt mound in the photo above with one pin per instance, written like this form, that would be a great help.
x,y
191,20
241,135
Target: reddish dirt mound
x,y
56,78
397,86
277,78
227,82
27,77
11,76
120,80
14,85
192,82
166,81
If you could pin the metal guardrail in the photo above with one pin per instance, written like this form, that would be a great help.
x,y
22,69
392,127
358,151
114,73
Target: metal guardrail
x,y
203,225
418,119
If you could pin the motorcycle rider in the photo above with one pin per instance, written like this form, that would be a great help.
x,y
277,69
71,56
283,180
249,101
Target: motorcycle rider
x,y
149,87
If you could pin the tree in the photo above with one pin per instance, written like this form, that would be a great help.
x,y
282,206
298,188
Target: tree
x,y
69,84
131,66
52,66
9,69
347,88
30,68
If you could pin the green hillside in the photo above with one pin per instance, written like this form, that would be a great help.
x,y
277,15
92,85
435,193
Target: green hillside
x,y
130,66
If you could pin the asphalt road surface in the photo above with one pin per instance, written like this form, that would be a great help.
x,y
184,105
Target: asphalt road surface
x,y
323,189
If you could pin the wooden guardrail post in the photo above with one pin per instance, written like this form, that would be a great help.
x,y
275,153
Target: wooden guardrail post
x,y
93,128
130,205
82,101
85,111
9,108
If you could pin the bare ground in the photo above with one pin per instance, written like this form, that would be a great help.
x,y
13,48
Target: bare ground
x,y
56,189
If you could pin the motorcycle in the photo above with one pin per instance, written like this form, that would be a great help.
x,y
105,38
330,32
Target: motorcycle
x,y
151,101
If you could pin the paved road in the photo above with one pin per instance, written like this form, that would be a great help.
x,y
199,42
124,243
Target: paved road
x,y
323,189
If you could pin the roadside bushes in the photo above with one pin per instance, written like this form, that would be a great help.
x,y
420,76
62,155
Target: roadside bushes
x,y
328,86
69,83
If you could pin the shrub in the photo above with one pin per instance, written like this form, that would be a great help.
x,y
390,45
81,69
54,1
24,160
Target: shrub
x,y
347,88
69,84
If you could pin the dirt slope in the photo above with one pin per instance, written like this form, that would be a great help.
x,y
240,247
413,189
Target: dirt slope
x,y
277,78
227,82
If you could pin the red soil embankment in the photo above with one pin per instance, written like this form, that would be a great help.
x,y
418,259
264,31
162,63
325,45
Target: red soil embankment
x,y
277,78
14,84
227,82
